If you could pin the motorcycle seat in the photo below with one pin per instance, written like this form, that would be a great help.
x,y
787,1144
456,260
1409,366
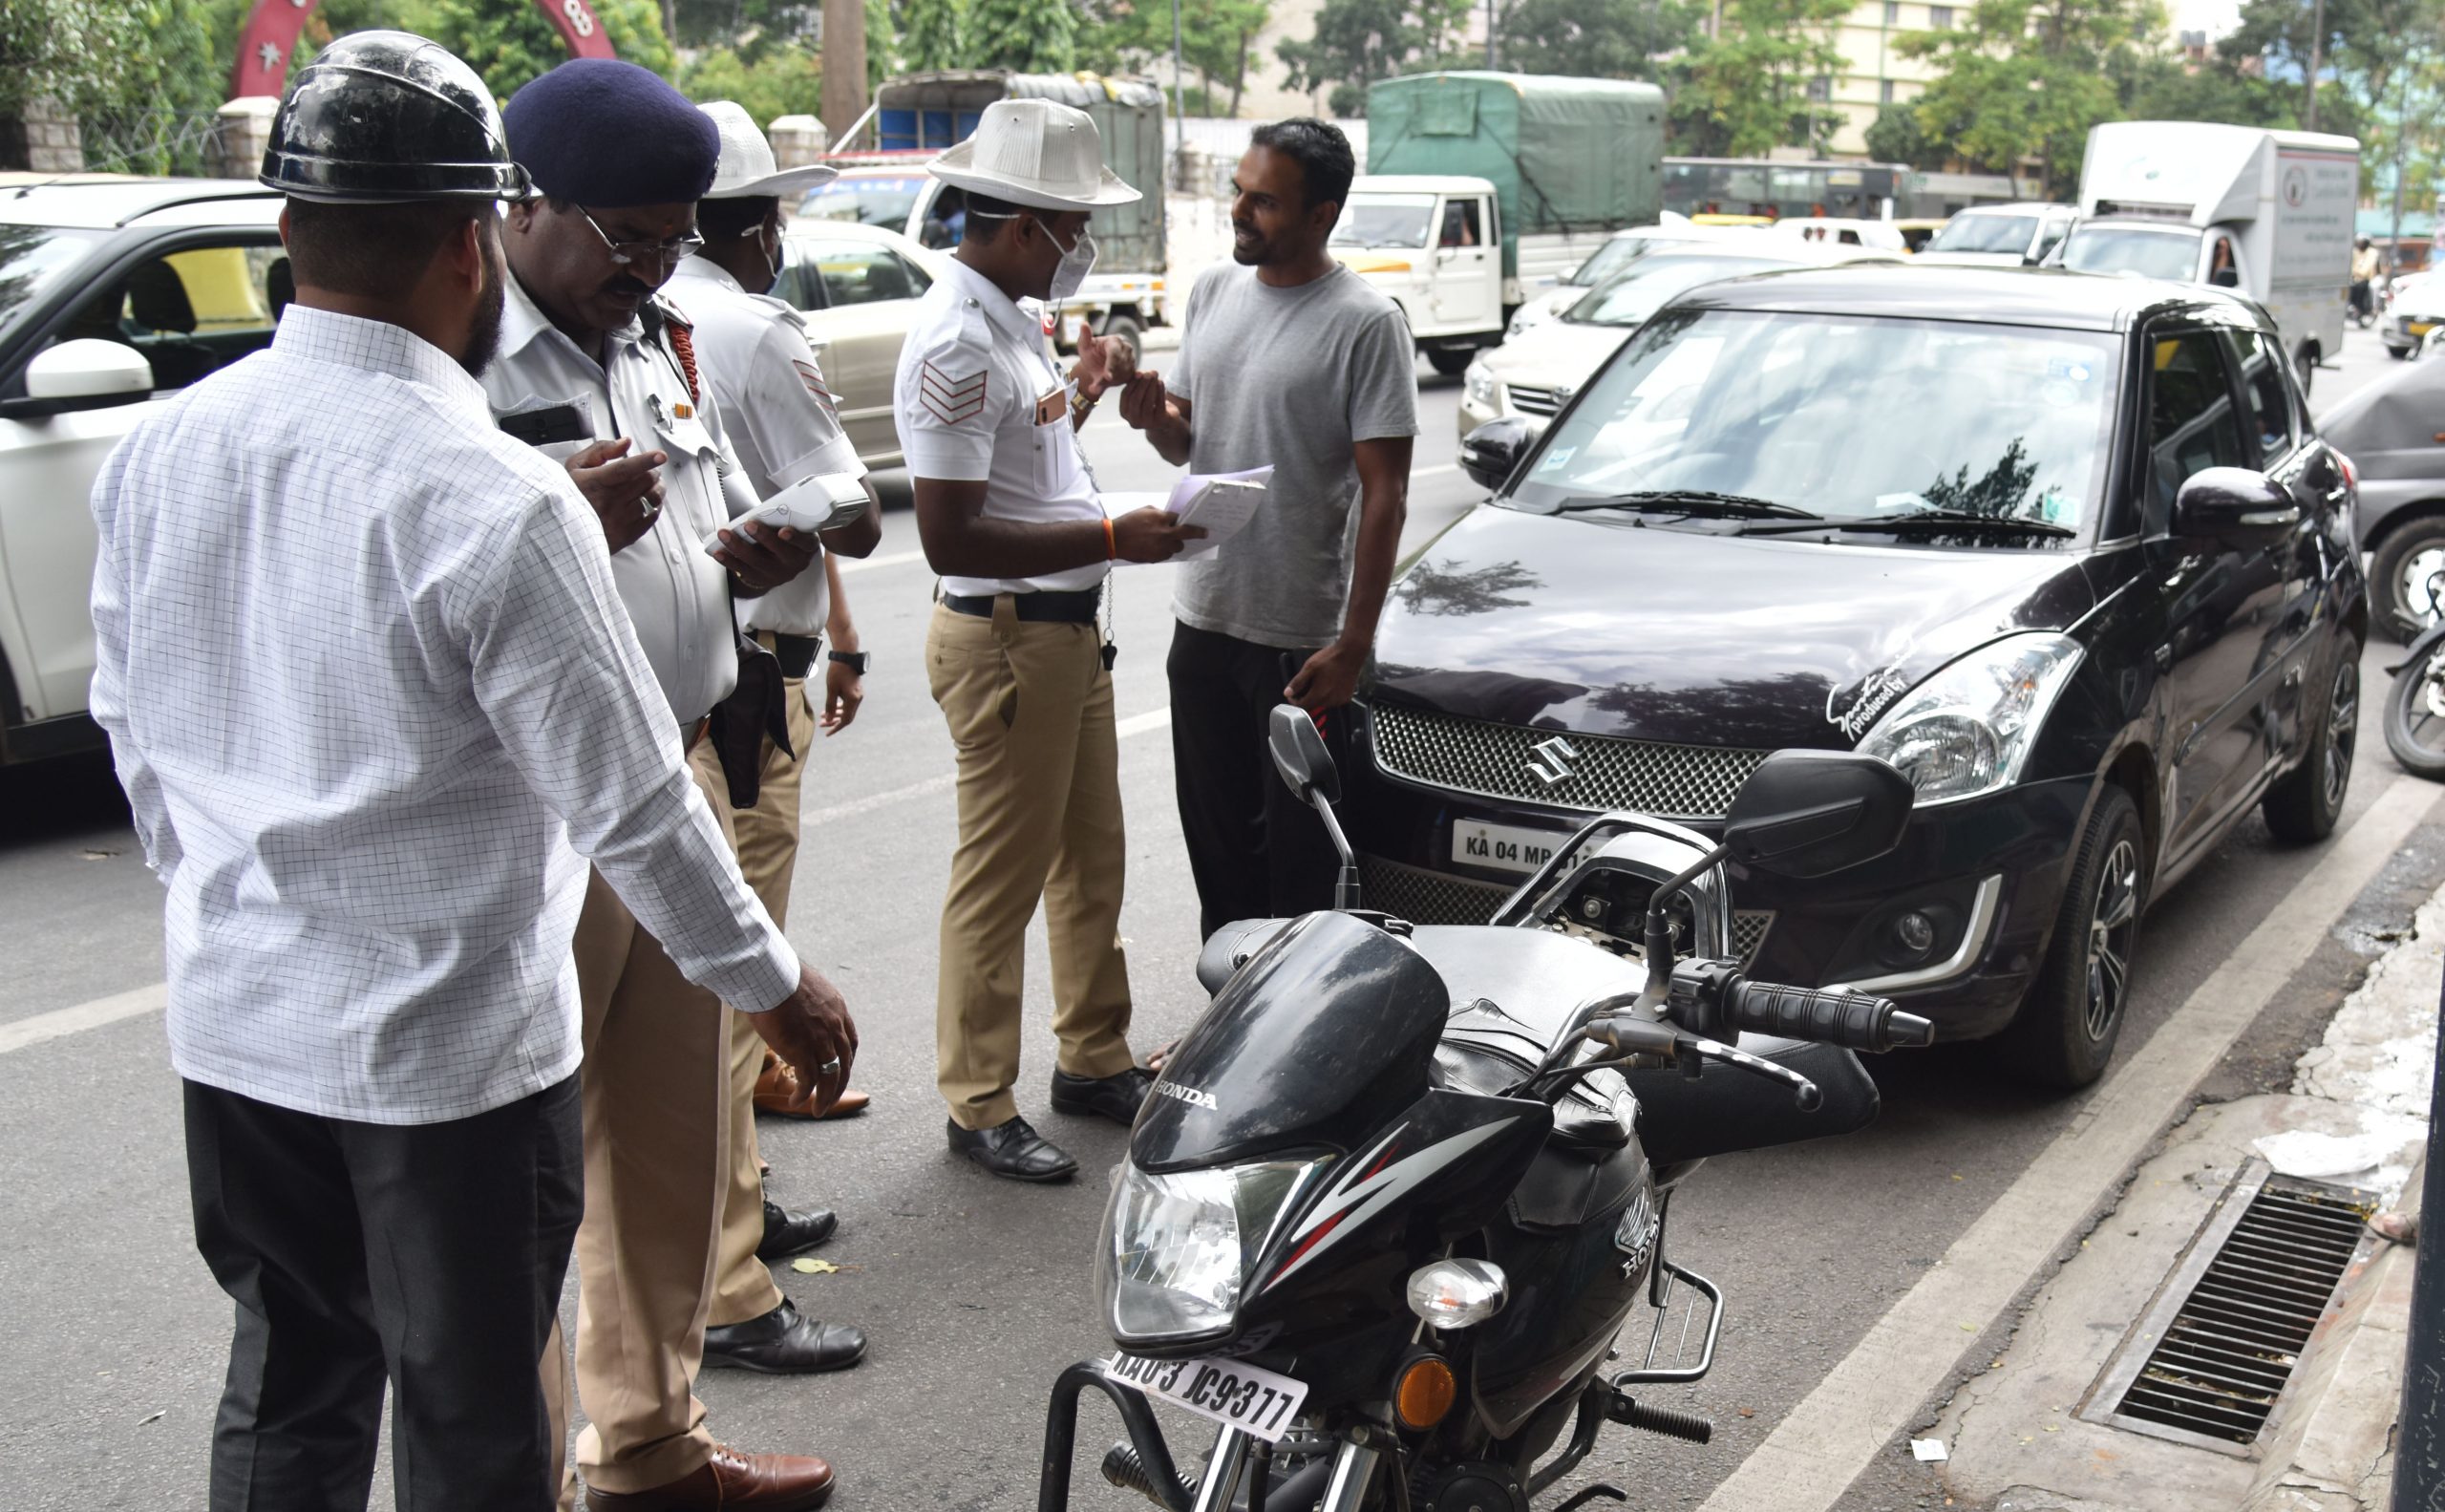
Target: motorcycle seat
x,y
1231,948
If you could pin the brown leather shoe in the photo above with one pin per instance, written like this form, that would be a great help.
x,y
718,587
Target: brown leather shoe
x,y
779,1091
733,1482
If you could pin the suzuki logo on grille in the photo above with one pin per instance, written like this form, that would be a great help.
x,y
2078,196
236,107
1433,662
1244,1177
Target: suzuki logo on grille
x,y
1553,764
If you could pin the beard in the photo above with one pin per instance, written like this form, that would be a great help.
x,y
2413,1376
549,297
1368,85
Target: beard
x,y
1248,249
483,326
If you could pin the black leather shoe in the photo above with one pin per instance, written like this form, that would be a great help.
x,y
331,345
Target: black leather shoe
x,y
784,1342
1015,1151
1114,1097
787,1233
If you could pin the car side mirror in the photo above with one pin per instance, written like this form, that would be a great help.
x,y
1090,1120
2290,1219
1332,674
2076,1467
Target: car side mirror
x,y
2233,503
1810,813
83,375
1299,756
1489,453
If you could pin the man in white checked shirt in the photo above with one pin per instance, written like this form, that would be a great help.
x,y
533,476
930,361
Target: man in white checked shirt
x,y
373,698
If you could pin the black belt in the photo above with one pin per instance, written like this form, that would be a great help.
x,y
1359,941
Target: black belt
x,y
1075,607
795,652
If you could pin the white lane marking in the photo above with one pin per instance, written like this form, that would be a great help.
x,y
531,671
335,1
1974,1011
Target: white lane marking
x,y
83,1016
890,558
1815,1454
1439,467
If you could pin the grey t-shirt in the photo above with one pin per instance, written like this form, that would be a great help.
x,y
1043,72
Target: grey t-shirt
x,y
1294,378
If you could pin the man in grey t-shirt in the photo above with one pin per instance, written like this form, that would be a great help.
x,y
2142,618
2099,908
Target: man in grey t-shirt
x,y
1289,359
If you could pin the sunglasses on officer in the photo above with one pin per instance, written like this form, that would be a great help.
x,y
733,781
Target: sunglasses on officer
x,y
627,254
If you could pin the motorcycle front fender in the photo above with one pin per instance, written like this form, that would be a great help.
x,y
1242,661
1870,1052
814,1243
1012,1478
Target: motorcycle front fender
x,y
2421,646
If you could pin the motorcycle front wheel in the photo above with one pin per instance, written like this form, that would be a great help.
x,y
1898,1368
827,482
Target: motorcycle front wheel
x,y
2416,717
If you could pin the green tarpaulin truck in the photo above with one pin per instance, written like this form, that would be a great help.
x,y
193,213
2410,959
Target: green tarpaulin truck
x,y
1481,189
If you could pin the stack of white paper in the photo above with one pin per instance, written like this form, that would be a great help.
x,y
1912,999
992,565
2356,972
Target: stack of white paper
x,y
1223,503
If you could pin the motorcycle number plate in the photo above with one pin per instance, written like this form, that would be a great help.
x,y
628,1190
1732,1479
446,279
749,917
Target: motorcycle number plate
x,y
1232,1392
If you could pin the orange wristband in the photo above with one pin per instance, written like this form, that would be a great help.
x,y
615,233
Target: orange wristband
x,y
1111,542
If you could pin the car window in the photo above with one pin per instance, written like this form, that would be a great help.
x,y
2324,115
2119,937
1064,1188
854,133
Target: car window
x,y
2270,402
2191,423
190,312
32,257
1460,224
863,273
2051,237
869,201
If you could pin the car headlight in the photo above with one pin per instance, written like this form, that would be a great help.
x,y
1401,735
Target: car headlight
x,y
1481,379
1177,1250
1969,728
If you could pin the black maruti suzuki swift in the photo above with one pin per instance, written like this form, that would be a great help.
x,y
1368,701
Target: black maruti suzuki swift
x,y
2064,550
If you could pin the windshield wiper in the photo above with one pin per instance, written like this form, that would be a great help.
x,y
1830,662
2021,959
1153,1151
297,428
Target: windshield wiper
x,y
1932,520
1688,501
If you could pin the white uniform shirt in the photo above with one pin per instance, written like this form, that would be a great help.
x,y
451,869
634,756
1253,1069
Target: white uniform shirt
x,y
367,681
781,420
978,399
678,597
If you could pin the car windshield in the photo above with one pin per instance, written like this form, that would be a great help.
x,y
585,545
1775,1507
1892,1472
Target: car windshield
x,y
2133,249
1649,284
1985,233
1385,219
868,201
1862,419
1616,254
32,258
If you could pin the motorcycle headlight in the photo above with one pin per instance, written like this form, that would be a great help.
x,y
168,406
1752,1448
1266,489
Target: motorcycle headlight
x,y
1969,728
1177,1250
1480,383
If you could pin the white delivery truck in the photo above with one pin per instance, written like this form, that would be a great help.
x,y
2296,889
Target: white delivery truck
x,y
2269,213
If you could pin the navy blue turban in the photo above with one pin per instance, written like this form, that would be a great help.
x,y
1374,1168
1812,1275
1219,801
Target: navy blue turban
x,y
609,134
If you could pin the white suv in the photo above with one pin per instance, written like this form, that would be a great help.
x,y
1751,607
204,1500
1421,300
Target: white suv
x,y
115,293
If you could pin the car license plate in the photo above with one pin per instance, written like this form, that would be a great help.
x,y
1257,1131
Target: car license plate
x,y
1503,848
2418,328
1230,1392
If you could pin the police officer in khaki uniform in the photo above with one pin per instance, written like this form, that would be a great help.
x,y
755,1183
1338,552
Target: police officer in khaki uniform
x,y
601,373
1010,519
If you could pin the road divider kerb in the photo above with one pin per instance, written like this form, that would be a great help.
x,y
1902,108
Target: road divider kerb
x,y
102,1011
1879,1387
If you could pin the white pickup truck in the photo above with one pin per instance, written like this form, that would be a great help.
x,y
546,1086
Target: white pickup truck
x,y
2266,212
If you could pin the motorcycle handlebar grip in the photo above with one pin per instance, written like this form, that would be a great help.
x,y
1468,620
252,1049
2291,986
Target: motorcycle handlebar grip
x,y
1831,1015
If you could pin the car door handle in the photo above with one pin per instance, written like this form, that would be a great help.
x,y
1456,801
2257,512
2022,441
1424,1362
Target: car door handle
x,y
2164,658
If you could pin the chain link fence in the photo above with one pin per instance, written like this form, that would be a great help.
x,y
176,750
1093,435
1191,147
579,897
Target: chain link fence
x,y
174,142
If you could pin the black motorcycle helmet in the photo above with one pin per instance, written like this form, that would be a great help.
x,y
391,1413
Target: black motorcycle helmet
x,y
387,117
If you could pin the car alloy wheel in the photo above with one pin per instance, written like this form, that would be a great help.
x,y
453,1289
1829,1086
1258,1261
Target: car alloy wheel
x,y
2111,925
2342,730
2419,584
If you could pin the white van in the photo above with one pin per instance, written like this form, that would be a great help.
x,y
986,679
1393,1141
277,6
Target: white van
x,y
2265,212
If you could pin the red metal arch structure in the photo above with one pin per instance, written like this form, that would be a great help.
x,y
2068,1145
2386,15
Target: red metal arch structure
x,y
270,36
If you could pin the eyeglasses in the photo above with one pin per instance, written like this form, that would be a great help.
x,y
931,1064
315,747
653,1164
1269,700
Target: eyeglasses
x,y
625,253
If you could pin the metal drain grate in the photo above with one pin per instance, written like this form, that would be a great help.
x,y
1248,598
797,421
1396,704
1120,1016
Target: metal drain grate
x,y
2226,1332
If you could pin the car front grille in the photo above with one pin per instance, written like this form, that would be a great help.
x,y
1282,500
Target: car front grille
x,y
1528,400
1432,897
1591,773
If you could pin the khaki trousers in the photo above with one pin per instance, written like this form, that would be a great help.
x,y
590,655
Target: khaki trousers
x,y
1031,716
768,856
654,1085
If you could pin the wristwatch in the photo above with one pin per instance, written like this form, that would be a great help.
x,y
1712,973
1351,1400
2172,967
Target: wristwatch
x,y
855,661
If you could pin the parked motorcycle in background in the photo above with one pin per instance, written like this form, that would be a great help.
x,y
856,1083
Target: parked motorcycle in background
x,y
2415,703
1396,1195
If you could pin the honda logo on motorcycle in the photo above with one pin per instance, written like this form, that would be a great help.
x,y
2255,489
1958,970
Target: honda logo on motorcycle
x,y
1189,1095
1553,764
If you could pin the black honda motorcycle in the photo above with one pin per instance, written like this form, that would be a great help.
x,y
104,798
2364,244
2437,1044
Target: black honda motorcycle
x,y
1394,1199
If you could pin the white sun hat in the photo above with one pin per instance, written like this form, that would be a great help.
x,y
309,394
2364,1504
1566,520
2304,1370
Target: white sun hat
x,y
1037,153
746,169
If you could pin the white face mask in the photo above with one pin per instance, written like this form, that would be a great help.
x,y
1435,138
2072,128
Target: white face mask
x,y
1077,263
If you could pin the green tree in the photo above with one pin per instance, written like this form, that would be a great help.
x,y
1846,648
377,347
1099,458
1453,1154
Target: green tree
x,y
1747,90
2366,43
141,76
1598,38
770,80
2154,86
510,42
930,34
1217,38
2027,78
1897,136
1027,36
1360,41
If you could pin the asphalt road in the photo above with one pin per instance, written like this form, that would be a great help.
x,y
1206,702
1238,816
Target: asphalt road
x,y
975,1292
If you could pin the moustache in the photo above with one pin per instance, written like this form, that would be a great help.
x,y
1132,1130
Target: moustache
x,y
1243,229
628,287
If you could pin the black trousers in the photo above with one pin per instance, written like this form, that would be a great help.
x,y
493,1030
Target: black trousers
x,y
1256,851
429,1256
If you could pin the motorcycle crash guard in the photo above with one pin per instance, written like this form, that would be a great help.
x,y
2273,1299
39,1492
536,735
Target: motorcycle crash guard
x,y
1725,1110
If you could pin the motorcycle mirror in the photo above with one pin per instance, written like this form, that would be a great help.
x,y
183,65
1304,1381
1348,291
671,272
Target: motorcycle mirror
x,y
1808,813
1299,756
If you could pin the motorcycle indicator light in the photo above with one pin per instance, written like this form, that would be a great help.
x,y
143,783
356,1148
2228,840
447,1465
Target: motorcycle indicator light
x,y
1425,1393
1456,1294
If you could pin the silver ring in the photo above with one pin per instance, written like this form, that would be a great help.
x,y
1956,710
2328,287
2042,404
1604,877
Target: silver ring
x,y
828,1067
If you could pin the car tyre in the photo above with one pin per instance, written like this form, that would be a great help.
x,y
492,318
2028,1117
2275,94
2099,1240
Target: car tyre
x,y
2406,578
2304,804
2415,707
2064,1035
1450,364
